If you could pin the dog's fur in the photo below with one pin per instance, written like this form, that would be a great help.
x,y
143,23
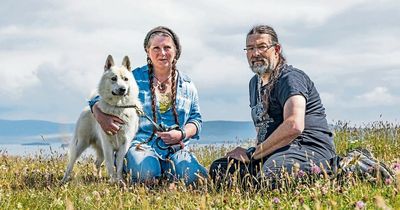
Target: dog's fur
x,y
116,88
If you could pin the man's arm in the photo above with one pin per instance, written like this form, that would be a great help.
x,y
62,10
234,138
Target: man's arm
x,y
291,127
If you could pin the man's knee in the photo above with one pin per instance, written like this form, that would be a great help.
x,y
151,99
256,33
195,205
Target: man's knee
x,y
295,167
275,167
223,167
218,168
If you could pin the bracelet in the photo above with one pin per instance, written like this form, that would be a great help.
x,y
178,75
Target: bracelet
x,y
183,134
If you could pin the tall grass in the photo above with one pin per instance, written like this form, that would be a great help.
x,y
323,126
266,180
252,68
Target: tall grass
x,y
33,183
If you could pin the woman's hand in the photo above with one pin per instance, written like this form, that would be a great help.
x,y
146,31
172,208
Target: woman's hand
x,y
171,137
239,153
109,123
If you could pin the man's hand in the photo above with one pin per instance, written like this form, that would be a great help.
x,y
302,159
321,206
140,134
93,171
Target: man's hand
x,y
109,123
239,153
171,137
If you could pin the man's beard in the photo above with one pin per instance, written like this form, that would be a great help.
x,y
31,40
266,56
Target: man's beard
x,y
261,69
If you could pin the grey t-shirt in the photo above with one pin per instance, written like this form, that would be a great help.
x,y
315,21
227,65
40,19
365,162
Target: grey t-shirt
x,y
292,82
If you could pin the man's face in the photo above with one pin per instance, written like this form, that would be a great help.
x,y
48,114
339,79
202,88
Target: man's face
x,y
262,55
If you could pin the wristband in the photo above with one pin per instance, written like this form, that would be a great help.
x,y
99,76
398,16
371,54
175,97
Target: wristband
x,y
250,151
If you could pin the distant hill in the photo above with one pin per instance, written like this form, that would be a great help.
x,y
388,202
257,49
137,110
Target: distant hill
x,y
32,127
28,131
227,131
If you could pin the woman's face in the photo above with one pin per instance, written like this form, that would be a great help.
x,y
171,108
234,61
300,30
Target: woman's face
x,y
161,51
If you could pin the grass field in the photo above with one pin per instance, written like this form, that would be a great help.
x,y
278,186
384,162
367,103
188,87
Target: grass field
x,y
33,183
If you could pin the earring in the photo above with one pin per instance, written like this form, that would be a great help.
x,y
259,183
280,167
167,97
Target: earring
x,y
149,61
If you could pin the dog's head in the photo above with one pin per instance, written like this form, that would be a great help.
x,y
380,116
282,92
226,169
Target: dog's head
x,y
118,86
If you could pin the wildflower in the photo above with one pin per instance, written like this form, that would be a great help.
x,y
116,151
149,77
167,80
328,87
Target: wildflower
x,y
301,199
360,205
301,174
388,181
276,200
324,190
396,167
315,169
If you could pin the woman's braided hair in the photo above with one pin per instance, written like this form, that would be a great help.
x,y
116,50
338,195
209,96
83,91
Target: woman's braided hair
x,y
265,29
163,31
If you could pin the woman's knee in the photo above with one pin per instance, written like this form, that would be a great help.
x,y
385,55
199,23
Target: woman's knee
x,y
184,165
142,165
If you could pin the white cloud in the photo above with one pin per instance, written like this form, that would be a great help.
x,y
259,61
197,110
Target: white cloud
x,y
215,72
52,52
16,73
379,96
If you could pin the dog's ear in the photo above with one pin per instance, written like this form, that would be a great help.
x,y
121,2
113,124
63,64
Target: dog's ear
x,y
109,63
127,63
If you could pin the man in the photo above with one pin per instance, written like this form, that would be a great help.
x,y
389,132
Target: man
x,y
287,112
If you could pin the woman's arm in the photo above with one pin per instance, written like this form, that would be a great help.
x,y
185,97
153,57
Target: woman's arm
x,y
109,123
193,124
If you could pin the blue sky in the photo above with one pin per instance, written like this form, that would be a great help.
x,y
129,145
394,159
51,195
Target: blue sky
x,y
52,52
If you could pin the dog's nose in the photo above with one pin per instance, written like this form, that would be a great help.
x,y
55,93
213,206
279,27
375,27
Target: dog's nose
x,y
122,90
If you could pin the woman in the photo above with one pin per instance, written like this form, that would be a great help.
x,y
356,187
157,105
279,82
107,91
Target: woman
x,y
170,98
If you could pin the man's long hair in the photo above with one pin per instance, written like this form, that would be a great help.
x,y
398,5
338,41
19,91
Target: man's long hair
x,y
265,29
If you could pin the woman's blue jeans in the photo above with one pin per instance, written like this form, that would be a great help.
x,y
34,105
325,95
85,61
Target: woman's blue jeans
x,y
145,165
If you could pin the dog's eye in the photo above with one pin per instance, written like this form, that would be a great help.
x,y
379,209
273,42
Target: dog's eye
x,y
125,79
114,78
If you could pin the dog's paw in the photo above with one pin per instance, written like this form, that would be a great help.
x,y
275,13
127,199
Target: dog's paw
x,y
64,180
120,182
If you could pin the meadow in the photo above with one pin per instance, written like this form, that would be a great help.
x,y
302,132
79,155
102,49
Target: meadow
x,y
33,182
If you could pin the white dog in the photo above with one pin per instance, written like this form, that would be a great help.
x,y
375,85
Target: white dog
x,y
119,97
